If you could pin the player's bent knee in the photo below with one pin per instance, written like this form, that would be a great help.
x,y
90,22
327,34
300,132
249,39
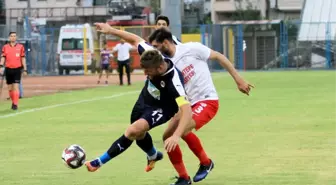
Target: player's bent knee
x,y
11,87
137,130
141,136
132,132
15,86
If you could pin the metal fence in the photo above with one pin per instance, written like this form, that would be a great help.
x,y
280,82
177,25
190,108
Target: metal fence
x,y
41,48
273,44
269,45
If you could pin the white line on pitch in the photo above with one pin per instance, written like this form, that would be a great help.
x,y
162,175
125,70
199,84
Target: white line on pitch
x,y
73,103
62,85
66,104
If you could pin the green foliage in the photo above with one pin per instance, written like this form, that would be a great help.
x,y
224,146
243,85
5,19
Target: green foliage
x,y
248,13
207,19
292,30
155,5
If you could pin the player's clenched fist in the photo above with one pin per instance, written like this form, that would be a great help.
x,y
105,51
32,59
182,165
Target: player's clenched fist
x,y
244,87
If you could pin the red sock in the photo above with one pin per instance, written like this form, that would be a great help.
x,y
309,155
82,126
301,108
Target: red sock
x,y
177,161
16,96
195,146
10,92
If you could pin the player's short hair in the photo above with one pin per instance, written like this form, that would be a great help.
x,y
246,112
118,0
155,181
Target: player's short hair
x,y
162,17
160,35
12,32
151,59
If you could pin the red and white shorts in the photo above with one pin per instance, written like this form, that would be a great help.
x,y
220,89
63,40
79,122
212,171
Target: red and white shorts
x,y
204,111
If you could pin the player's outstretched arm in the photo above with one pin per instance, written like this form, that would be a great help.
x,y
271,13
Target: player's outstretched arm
x,y
243,86
176,90
184,126
127,36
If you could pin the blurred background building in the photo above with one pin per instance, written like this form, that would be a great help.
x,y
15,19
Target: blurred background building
x,y
254,34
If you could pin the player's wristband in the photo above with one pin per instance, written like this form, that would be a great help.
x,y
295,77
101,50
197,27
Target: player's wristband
x,y
1,66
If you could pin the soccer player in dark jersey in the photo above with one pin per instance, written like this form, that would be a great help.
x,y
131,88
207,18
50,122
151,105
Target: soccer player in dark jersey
x,y
160,99
171,143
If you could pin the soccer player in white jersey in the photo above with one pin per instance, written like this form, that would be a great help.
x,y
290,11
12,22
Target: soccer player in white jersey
x,y
163,22
191,59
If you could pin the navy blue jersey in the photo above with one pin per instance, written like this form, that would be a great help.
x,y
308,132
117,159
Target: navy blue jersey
x,y
162,91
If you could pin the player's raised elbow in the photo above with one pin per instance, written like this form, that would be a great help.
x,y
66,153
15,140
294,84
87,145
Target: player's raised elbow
x,y
215,55
135,42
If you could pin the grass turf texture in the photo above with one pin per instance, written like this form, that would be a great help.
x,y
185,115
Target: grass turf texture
x,y
284,133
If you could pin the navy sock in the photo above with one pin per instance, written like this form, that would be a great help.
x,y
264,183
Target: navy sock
x,y
118,147
146,144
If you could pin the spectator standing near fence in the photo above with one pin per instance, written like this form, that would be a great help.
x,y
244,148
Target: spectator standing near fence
x,y
14,61
123,48
105,55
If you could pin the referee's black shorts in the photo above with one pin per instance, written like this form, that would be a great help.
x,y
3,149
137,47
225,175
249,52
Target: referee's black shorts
x,y
13,75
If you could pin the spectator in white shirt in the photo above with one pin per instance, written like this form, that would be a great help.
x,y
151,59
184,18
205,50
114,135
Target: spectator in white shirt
x,y
123,49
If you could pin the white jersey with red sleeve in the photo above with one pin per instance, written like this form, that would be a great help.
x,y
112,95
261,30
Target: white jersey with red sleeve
x,y
191,59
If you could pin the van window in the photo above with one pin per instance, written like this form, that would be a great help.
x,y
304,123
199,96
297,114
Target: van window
x,y
74,44
80,44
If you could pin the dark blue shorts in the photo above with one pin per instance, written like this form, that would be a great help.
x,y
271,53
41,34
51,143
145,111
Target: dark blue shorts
x,y
105,66
154,115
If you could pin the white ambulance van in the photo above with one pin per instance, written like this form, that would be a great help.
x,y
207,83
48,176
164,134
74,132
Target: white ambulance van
x,y
70,48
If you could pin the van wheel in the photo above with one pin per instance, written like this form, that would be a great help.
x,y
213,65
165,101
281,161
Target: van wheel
x,y
67,71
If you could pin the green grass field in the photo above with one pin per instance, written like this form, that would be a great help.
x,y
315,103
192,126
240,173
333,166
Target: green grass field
x,y
283,134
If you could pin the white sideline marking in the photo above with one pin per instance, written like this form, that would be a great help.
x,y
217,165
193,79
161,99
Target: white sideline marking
x,y
64,85
66,104
74,103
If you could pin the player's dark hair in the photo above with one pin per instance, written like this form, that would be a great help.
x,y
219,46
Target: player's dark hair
x,y
160,35
162,17
151,59
12,32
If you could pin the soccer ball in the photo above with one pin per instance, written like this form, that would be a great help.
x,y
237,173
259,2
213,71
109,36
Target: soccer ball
x,y
73,156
